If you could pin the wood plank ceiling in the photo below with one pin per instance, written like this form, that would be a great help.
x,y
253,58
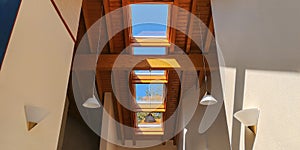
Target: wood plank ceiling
x,y
92,11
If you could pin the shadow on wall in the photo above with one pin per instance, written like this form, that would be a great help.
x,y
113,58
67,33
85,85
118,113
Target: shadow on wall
x,y
79,136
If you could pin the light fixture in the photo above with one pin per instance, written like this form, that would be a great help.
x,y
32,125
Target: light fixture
x,y
248,117
91,102
207,99
149,118
34,115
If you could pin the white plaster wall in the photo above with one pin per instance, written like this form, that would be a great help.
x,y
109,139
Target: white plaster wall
x,y
228,83
277,96
262,37
258,34
35,72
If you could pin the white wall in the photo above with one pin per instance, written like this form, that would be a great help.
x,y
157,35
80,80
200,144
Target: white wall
x,y
261,38
258,34
277,96
35,72
228,80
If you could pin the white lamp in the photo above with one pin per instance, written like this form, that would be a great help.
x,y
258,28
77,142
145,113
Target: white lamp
x,y
249,117
34,115
208,99
91,102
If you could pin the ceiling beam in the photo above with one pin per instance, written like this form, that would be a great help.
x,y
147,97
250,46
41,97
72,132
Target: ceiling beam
x,y
209,35
92,11
108,61
126,22
191,25
108,25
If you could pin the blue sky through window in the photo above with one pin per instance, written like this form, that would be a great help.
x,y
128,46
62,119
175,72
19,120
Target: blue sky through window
x,y
149,50
150,73
149,20
147,92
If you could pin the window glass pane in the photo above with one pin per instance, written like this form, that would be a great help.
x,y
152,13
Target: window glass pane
x,y
149,93
141,120
149,73
149,50
149,20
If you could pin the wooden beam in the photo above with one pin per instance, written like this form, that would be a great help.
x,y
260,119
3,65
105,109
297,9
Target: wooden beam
x,y
152,44
209,35
173,23
126,22
119,107
151,2
149,40
108,24
191,25
127,62
92,11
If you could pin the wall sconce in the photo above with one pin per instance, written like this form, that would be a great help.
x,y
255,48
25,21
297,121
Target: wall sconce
x,y
248,117
34,115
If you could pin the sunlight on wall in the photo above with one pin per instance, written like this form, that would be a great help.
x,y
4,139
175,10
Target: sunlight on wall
x,y
228,83
277,96
35,72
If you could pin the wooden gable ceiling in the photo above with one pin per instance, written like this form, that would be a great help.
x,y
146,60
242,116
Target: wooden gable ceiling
x,y
181,19
93,10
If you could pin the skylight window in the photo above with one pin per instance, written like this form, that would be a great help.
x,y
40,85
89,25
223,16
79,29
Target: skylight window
x,y
140,117
149,72
149,20
149,50
149,76
149,94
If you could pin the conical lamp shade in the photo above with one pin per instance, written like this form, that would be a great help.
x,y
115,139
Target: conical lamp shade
x,y
208,100
34,115
248,117
91,102
149,118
